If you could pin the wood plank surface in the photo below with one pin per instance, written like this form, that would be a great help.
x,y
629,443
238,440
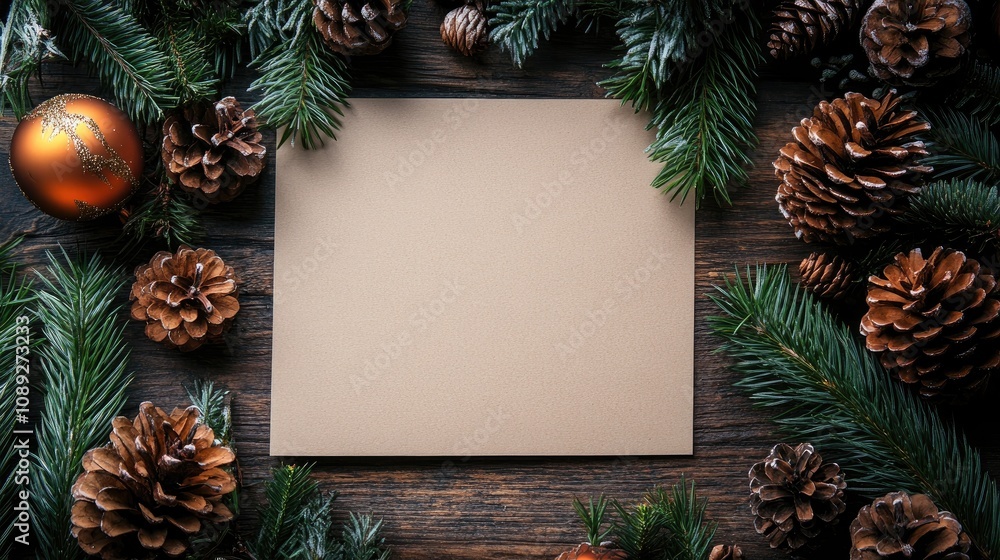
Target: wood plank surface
x,y
437,509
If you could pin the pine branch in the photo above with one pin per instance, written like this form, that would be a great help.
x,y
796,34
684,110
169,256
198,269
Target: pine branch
x,y
517,25
313,538
226,35
288,493
165,214
593,516
25,43
979,93
185,46
704,119
125,56
793,357
957,210
82,361
15,295
641,531
684,516
363,540
304,84
214,406
962,146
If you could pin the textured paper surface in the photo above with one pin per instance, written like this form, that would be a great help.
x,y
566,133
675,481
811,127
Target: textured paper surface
x,y
467,277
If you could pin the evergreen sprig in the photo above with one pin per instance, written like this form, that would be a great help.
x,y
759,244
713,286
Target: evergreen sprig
x,y
962,146
288,493
164,213
84,381
957,210
794,358
362,539
979,93
704,119
314,538
666,524
25,43
15,295
213,403
518,25
593,516
125,56
194,76
303,83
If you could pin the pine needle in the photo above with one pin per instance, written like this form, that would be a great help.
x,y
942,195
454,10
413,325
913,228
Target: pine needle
x,y
313,538
15,295
25,42
194,77
963,146
363,540
957,210
288,493
303,84
684,515
794,358
517,25
593,515
164,213
82,362
640,531
979,93
125,56
214,406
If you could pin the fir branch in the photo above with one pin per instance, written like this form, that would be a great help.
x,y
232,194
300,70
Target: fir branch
x,y
313,538
214,406
25,43
684,516
641,531
166,214
288,493
184,44
14,296
957,210
125,56
226,35
593,516
795,358
82,361
304,84
979,93
517,25
962,146
363,539
704,119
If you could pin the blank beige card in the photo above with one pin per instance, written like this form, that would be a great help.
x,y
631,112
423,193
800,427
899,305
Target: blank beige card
x,y
481,277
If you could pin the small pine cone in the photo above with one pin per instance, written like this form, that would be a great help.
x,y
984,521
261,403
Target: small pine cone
x,y
827,276
726,552
916,42
358,27
213,151
801,26
186,299
794,496
587,552
898,526
153,488
935,322
850,168
464,29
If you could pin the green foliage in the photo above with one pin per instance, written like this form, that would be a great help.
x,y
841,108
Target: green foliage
x,y
314,538
194,77
288,493
24,44
214,406
794,358
666,524
125,56
640,531
363,540
15,295
979,93
593,516
957,210
303,83
963,146
517,25
704,119
82,361
164,213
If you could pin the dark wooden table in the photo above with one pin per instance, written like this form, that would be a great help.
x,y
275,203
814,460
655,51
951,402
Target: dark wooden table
x,y
516,508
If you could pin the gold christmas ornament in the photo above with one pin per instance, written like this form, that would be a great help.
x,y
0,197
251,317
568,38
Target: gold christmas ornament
x,y
76,157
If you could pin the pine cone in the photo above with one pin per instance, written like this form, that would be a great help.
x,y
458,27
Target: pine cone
x,y
800,26
916,42
358,27
186,299
587,552
213,151
935,322
725,552
849,169
898,526
464,30
152,488
794,495
827,275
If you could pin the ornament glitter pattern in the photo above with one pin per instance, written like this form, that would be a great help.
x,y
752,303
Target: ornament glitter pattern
x,y
76,157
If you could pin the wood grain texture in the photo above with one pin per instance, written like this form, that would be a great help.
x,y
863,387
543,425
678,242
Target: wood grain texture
x,y
436,509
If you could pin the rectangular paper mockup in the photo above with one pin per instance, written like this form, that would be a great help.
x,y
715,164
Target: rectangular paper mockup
x,y
481,277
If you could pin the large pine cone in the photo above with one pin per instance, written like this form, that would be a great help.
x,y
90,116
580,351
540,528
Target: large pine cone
x,y
213,151
916,42
935,322
849,169
144,495
827,276
794,495
464,29
725,552
898,526
801,26
186,299
587,552
358,27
